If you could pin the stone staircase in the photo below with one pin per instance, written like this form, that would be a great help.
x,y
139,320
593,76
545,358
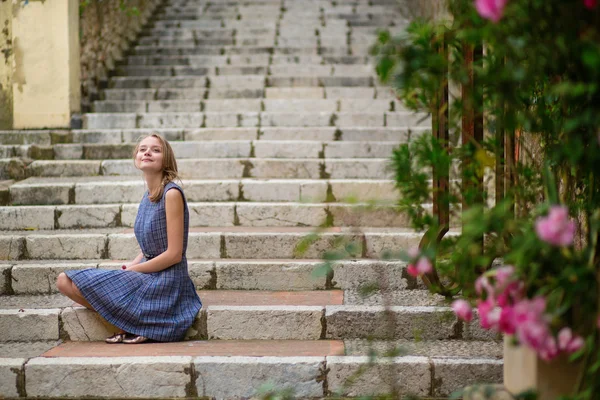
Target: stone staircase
x,y
281,131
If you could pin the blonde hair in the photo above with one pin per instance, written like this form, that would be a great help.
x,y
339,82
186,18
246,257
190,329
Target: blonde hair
x,y
169,165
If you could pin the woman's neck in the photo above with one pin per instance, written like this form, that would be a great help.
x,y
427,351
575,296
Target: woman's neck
x,y
153,181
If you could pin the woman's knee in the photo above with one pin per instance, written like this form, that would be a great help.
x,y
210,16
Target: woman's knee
x,y
63,283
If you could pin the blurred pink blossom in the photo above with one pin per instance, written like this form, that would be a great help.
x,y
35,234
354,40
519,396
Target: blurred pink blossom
x,y
567,342
590,3
549,349
463,310
424,266
556,228
489,314
412,270
413,252
490,9
482,283
507,321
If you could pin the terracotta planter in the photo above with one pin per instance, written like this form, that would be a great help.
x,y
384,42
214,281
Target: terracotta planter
x,y
523,370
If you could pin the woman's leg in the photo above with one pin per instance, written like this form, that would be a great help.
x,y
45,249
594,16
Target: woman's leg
x,y
66,286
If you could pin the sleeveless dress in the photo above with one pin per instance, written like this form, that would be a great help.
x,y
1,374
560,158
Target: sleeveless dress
x,y
160,305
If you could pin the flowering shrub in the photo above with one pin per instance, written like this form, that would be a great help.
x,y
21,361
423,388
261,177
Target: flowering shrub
x,y
528,255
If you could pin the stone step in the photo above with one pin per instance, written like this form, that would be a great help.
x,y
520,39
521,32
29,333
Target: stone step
x,y
232,93
212,242
249,82
251,322
23,142
220,149
225,168
253,119
114,189
24,278
189,370
205,214
241,60
250,105
335,51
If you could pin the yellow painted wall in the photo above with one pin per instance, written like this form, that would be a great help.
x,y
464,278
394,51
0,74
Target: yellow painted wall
x,y
6,64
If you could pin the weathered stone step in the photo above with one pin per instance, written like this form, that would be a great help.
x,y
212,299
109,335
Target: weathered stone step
x,y
228,149
251,59
250,81
218,168
114,189
24,141
37,278
253,119
205,214
239,376
211,242
232,93
250,322
336,51
250,105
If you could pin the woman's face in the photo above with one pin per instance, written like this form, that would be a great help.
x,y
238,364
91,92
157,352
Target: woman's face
x,y
149,157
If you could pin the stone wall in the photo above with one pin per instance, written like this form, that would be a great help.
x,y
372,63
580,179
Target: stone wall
x,y
107,29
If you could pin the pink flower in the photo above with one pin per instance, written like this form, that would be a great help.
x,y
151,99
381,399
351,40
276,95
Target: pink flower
x,y
567,342
507,321
412,270
413,252
424,266
513,293
590,3
489,314
556,228
463,310
482,283
490,9
549,350
504,275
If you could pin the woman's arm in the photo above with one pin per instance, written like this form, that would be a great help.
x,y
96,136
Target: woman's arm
x,y
174,212
136,260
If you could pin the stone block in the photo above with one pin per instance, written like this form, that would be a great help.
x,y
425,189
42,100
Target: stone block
x,y
296,119
119,167
229,133
358,376
364,190
109,377
222,119
287,169
81,324
109,192
129,94
178,106
211,190
319,134
355,274
65,246
358,169
455,374
122,246
270,190
25,325
204,245
12,375
300,105
27,218
68,151
109,121
359,149
345,119
473,330
97,216
132,136
337,92
407,119
280,214
41,278
202,274
367,215
293,81
267,275
368,105
315,192
5,278
64,168
98,136
235,93
380,244
211,149
243,377
108,151
423,323
264,322
211,168
237,82
232,105
171,120
294,93
211,214
287,149
12,247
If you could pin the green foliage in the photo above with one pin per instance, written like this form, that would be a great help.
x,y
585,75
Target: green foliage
x,y
537,84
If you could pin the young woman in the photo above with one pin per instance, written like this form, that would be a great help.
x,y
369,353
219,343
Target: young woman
x,y
152,297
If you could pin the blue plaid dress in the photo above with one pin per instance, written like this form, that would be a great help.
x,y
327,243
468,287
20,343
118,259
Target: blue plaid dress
x,y
160,305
